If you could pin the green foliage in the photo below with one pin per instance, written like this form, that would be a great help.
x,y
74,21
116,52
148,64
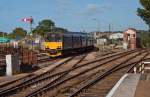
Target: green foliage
x,y
3,34
47,26
144,12
18,33
47,23
43,27
59,30
145,39
145,4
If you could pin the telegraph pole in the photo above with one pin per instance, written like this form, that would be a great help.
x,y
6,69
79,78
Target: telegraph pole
x,y
31,22
99,30
109,27
98,24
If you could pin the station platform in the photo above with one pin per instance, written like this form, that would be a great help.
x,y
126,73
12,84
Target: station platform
x,y
143,88
131,85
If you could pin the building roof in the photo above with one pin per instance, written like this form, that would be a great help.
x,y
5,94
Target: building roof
x,y
116,36
131,29
4,39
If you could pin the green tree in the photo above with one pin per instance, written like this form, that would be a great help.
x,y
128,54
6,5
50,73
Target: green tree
x,y
18,33
59,30
3,34
145,40
47,23
44,26
144,12
47,26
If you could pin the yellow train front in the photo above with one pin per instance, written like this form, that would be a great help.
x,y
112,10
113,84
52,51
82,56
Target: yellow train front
x,y
58,44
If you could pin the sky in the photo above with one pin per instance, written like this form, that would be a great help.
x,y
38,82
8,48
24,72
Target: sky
x,y
74,15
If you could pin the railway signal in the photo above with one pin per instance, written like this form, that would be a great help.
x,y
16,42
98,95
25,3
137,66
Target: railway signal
x,y
30,21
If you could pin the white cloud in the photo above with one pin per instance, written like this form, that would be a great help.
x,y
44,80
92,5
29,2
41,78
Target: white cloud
x,y
92,9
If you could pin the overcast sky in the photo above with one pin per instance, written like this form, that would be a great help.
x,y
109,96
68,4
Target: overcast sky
x,y
74,15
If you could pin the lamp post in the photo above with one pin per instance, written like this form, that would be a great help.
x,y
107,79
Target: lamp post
x,y
99,30
98,24
3,37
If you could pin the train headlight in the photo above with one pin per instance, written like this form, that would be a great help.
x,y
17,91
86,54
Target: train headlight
x,y
58,47
46,47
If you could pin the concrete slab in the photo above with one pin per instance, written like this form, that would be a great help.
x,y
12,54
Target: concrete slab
x,y
143,88
125,87
45,69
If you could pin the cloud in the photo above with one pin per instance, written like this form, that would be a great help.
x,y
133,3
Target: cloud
x,y
92,9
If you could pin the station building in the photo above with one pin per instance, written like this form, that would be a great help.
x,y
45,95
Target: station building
x,y
131,39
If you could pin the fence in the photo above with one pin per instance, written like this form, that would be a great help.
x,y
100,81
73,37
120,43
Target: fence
x,y
26,56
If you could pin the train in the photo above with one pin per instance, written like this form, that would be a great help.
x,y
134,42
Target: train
x,y
59,44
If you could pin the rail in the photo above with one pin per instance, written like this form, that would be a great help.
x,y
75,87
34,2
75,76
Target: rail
x,y
57,82
103,75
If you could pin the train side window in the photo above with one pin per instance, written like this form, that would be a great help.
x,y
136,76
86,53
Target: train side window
x,y
54,38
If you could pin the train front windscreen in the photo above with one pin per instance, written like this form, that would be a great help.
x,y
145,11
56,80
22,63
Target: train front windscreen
x,y
54,38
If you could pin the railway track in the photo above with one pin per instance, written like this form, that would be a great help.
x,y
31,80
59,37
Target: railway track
x,y
53,85
31,75
46,62
43,58
52,80
33,80
40,82
100,85
106,53
87,77
13,85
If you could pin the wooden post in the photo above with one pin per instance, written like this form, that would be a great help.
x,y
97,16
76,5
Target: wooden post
x,y
12,64
135,70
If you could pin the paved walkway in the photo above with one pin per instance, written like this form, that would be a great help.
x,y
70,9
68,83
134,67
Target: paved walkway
x,y
143,88
125,87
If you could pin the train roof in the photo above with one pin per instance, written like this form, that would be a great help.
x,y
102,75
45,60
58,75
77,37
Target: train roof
x,y
75,33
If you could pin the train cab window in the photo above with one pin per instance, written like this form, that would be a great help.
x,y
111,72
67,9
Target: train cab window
x,y
50,38
54,38
58,38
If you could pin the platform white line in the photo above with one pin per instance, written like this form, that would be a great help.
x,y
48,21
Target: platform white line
x,y
112,91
